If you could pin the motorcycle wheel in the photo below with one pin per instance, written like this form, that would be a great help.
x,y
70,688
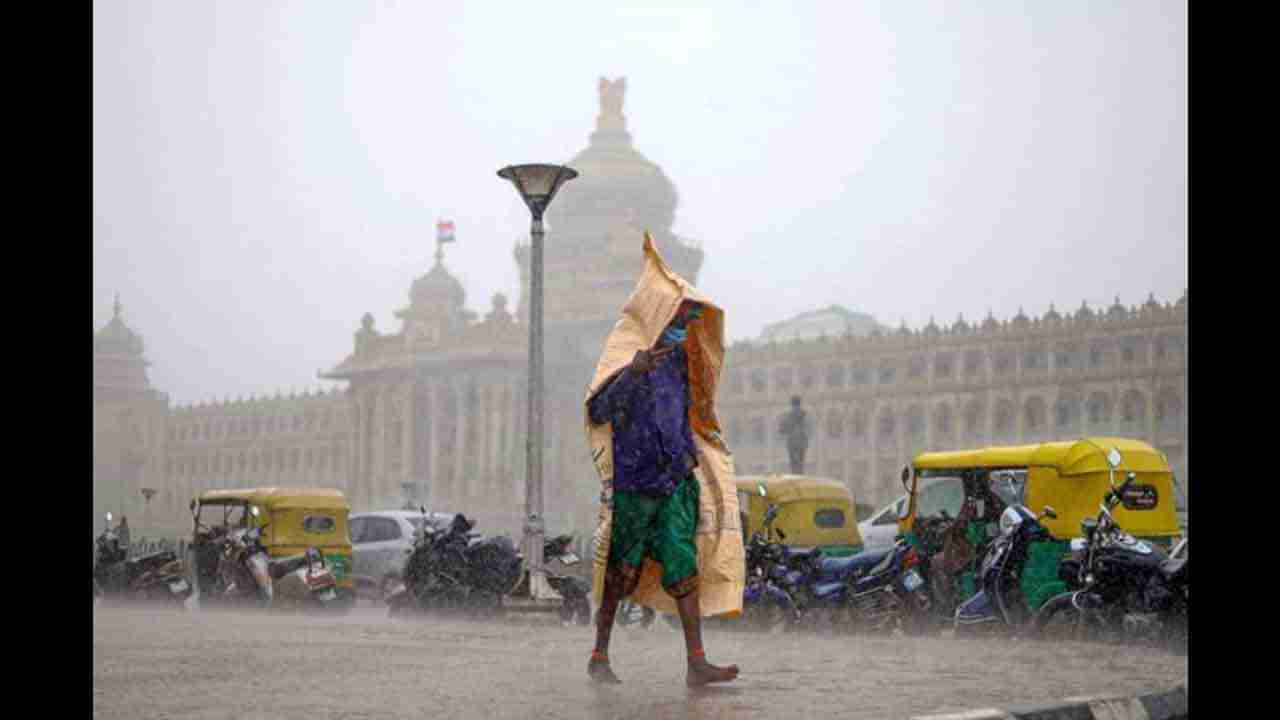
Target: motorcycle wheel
x,y
484,605
1067,623
766,618
915,620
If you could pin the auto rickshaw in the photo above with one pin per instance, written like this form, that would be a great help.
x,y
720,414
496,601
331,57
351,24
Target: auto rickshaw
x,y
955,500
812,511
292,519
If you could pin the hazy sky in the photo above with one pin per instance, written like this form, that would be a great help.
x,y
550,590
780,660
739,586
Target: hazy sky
x,y
265,173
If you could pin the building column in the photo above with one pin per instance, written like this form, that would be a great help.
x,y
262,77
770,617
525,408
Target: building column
x,y
926,410
435,406
408,423
461,482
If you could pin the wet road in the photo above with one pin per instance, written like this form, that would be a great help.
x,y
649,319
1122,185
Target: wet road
x,y
364,665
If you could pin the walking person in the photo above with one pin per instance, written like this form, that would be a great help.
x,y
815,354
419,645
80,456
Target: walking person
x,y
669,535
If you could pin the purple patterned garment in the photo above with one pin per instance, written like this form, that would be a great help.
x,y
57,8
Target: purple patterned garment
x,y
652,445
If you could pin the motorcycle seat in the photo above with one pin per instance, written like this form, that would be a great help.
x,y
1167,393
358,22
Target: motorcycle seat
x,y
809,554
1169,568
154,560
869,561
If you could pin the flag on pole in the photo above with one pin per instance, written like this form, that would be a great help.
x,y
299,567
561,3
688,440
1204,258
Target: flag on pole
x,y
444,231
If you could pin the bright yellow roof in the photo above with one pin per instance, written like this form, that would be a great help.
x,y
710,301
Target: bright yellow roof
x,y
788,488
278,497
1069,457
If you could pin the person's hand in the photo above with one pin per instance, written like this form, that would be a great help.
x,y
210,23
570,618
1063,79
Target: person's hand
x,y
645,360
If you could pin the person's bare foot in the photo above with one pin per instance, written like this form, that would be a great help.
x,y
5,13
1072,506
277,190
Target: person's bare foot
x,y
599,671
702,672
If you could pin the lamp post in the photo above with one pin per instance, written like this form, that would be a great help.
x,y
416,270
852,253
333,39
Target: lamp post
x,y
537,185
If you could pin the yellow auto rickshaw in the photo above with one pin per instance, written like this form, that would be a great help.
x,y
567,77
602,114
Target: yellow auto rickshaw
x,y
1070,476
955,500
293,519
812,511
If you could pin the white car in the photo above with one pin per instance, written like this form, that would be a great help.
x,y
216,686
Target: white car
x,y
381,541
879,530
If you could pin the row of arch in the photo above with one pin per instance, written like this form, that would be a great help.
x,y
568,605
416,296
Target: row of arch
x,y
251,427
1099,410
1101,352
313,459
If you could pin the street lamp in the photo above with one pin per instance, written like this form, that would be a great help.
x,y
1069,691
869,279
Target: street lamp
x,y
537,185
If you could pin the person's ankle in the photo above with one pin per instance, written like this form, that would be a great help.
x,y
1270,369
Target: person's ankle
x,y
599,656
697,657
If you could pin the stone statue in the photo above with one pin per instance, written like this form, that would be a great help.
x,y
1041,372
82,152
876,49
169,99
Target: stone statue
x,y
366,333
794,429
611,97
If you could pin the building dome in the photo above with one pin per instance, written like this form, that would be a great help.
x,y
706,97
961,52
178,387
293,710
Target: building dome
x,y
1117,311
1052,316
116,338
1021,321
438,288
613,177
1084,313
960,326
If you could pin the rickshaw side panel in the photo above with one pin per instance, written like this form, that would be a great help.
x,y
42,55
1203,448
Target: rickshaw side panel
x,y
798,499
292,531
1076,497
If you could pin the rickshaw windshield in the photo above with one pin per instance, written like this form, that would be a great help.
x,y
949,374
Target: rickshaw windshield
x,y
940,490
1009,485
230,515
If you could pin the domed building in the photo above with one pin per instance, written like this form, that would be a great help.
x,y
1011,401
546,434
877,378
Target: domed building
x,y
128,422
434,410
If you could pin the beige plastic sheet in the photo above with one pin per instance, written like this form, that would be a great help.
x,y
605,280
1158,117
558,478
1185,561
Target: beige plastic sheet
x,y
646,314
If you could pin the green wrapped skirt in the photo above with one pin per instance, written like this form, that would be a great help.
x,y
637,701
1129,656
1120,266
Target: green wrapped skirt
x,y
660,528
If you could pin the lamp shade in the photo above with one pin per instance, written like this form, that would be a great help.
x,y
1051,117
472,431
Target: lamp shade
x,y
537,183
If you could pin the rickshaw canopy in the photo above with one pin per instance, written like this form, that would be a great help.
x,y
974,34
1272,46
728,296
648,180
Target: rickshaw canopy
x,y
1067,457
1072,476
278,498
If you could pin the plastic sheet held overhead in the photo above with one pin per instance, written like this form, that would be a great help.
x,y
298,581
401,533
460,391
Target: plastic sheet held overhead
x,y
647,312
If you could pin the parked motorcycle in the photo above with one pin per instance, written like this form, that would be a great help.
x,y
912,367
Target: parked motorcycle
x,y
877,589
453,569
1129,590
157,576
765,601
574,590
246,574
574,606
999,598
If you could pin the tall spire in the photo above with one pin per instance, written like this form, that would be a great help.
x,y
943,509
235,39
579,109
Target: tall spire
x,y
115,308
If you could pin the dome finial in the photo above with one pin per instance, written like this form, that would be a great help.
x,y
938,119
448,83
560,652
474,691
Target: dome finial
x,y
115,308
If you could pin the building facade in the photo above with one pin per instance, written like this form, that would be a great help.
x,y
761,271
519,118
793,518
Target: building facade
x,y
434,411
875,401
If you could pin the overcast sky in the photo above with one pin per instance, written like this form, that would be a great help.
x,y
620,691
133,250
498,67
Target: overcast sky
x,y
265,173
